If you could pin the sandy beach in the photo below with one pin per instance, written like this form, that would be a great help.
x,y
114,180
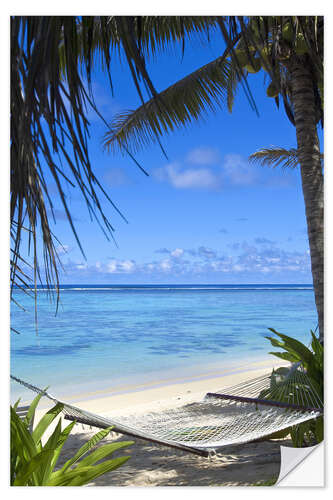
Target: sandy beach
x,y
156,465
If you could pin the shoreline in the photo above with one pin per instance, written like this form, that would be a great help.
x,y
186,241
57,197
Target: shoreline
x,y
162,394
102,387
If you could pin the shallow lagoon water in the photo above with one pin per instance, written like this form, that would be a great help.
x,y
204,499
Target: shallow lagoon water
x,y
112,336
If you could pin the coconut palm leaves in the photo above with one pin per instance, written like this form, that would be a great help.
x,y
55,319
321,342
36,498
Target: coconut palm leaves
x,y
277,157
203,90
49,132
33,463
253,44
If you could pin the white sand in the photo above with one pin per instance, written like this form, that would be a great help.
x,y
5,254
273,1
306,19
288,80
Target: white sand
x,y
154,465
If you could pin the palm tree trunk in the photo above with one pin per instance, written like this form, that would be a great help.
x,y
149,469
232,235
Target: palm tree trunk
x,y
303,99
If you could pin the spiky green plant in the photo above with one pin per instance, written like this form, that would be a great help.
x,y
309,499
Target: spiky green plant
x,y
300,389
35,464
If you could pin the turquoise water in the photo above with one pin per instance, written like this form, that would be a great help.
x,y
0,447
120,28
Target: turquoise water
x,y
112,336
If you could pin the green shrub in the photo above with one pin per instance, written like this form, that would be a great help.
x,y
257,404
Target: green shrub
x,y
33,464
312,362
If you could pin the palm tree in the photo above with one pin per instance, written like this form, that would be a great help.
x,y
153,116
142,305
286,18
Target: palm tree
x,y
290,50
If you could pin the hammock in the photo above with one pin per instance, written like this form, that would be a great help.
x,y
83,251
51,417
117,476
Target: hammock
x,y
243,413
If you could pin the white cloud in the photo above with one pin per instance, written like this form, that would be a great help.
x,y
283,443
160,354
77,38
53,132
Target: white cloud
x,y
111,266
203,156
127,266
237,171
165,265
82,265
118,266
188,178
177,252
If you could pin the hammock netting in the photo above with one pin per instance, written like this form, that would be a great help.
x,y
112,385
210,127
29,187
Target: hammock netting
x,y
239,414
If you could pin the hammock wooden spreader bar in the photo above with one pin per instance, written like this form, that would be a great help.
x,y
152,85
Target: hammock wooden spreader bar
x,y
264,402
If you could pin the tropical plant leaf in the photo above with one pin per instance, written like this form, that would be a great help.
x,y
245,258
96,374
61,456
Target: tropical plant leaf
x,y
61,441
51,444
32,408
277,157
207,88
286,356
86,474
27,448
45,421
275,342
295,346
102,452
34,465
16,404
302,384
86,447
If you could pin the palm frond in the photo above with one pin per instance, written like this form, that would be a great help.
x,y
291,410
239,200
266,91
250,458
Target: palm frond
x,y
277,157
206,89
156,33
51,56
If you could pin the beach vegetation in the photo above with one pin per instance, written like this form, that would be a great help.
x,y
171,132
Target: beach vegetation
x,y
311,361
35,464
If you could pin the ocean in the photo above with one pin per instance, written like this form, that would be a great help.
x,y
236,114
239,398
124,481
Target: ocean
x,y
107,337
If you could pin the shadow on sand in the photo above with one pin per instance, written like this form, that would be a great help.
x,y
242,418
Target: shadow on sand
x,y
154,465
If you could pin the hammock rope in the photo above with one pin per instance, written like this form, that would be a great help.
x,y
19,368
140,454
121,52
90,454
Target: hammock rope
x,y
242,413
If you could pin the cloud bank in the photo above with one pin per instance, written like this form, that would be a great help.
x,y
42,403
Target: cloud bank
x,y
254,262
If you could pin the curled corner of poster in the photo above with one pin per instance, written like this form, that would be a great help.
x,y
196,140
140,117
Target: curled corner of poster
x,y
302,467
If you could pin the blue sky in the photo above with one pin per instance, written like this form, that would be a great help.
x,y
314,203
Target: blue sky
x,y
204,215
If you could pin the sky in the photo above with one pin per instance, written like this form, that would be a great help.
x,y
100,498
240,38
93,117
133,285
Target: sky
x,y
204,214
